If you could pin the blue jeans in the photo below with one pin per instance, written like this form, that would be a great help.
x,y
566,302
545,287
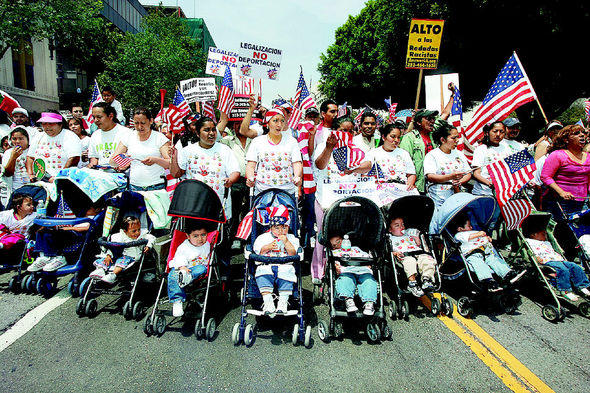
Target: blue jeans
x,y
347,283
569,274
155,187
266,282
175,292
483,265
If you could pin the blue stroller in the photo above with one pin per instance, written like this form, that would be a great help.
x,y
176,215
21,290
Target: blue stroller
x,y
578,222
246,332
78,190
481,210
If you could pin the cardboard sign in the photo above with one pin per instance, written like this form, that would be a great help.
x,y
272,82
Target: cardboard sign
x,y
219,59
437,90
198,89
259,61
241,108
424,43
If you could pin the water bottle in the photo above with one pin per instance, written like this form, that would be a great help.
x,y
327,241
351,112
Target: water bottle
x,y
41,208
346,246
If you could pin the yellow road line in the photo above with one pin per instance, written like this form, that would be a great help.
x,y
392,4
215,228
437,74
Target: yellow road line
x,y
515,375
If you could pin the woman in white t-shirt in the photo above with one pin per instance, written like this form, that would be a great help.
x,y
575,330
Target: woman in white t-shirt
x,y
445,168
148,151
76,125
396,164
492,149
14,159
274,160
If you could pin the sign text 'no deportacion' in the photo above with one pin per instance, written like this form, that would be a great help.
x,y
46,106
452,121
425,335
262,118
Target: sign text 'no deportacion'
x,y
424,43
198,89
218,59
259,61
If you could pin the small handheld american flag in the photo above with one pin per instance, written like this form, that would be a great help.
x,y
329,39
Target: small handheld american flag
x,y
511,174
122,160
226,93
180,102
96,98
346,155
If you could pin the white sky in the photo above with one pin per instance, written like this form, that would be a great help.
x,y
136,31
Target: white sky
x,y
302,29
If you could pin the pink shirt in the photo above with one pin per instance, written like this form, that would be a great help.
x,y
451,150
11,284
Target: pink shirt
x,y
569,175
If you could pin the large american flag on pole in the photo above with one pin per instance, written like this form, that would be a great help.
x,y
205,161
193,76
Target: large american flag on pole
x,y
510,174
95,99
302,101
226,93
309,185
180,102
208,110
346,154
515,211
510,90
343,110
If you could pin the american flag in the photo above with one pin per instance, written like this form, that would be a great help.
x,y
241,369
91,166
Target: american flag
x,y
171,183
179,102
95,99
510,174
122,160
343,110
456,119
376,172
515,211
245,227
8,103
131,121
208,110
226,93
587,109
405,114
510,90
63,210
346,154
357,119
174,119
392,109
303,100
309,185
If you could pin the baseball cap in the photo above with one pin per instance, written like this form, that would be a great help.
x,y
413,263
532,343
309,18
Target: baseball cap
x,y
511,122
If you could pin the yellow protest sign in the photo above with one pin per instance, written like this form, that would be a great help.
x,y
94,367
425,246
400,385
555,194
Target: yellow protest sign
x,y
424,43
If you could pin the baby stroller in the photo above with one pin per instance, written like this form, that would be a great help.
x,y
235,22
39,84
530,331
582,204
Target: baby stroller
x,y
407,207
20,256
362,221
193,202
554,309
579,224
128,203
246,332
78,189
481,210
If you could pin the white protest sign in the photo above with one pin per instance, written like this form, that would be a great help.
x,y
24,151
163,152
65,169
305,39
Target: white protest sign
x,y
259,61
218,59
198,89
437,90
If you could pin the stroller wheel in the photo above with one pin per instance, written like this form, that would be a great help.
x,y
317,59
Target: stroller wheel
x,y
30,284
550,313
323,331
23,284
44,286
373,332
584,308
386,332
210,329
91,308
338,330
447,306
509,304
199,329
84,286
127,310
148,329
392,310
80,307
14,285
464,306
295,335
317,294
435,306
404,312
160,325
307,339
235,334
138,311
73,288
249,335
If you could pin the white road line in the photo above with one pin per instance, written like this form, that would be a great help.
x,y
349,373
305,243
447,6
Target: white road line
x,y
32,318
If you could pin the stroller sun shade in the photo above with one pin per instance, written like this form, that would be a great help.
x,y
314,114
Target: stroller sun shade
x,y
481,210
194,199
415,210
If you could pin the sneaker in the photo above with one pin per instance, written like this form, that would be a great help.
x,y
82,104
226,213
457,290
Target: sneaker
x,y
513,276
493,286
316,281
585,291
415,289
177,309
369,309
350,306
268,307
98,273
109,278
55,263
571,296
427,284
38,264
282,305
184,278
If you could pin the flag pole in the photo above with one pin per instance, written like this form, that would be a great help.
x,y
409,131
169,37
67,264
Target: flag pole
x,y
418,89
529,81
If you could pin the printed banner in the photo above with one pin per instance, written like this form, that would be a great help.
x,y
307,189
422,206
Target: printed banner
x,y
259,61
240,108
218,59
424,43
198,89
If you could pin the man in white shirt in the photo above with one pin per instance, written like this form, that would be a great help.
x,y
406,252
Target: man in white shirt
x,y
105,140
109,96
512,131
20,117
367,139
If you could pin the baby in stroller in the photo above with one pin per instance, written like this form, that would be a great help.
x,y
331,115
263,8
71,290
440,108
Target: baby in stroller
x,y
276,243
568,274
482,257
407,246
130,231
15,223
189,263
352,278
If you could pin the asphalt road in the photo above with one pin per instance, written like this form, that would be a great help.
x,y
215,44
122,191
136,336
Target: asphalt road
x,y
63,352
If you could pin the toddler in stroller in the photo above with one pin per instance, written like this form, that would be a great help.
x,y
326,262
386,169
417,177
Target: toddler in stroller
x,y
130,232
276,243
15,223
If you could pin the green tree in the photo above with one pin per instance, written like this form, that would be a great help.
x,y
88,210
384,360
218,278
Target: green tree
x,y
63,20
158,57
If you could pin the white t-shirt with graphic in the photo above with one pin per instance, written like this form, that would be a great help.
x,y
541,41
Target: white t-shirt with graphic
x,y
20,176
274,163
104,143
55,151
407,242
486,155
189,255
140,174
8,219
267,238
439,163
469,245
396,164
544,250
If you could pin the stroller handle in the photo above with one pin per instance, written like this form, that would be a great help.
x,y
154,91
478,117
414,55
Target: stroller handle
x,y
274,260
105,243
